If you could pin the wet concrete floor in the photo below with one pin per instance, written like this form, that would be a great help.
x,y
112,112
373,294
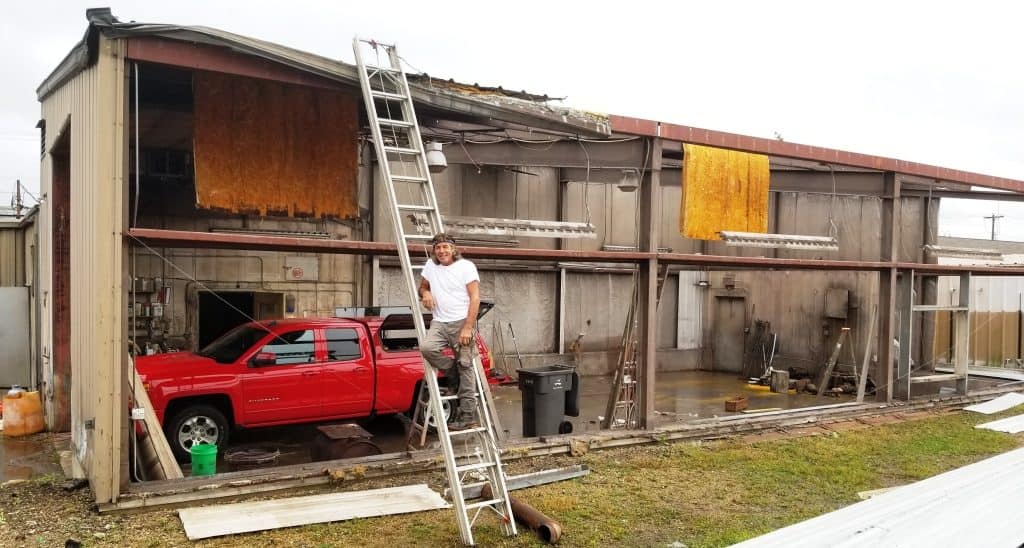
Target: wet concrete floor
x,y
680,396
27,457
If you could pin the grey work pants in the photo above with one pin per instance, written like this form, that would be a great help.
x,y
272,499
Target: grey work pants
x,y
443,335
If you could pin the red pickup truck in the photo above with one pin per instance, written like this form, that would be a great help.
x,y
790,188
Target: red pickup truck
x,y
286,372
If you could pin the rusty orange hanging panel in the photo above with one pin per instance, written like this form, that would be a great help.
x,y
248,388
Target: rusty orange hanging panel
x,y
723,190
274,149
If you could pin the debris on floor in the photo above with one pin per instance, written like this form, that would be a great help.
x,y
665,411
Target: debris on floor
x,y
1002,403
1010,425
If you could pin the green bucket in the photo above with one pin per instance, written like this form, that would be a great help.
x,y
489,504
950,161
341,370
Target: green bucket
x,y
204,459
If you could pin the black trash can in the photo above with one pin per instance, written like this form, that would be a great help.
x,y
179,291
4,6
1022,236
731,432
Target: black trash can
x,y
545,390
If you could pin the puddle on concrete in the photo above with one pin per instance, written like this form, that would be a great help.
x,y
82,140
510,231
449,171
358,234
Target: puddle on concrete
x,y
681,396
27,457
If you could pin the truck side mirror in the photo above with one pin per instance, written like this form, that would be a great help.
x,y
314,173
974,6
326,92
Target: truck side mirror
x,y
264,358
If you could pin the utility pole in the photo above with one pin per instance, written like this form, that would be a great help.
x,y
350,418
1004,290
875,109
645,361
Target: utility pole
x,y
17,199
993,217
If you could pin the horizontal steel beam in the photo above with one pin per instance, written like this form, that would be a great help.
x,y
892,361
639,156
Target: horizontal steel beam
x,y
615,155
775,147
153,237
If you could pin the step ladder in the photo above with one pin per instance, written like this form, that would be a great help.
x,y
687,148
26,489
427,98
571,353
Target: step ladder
x,y
421,424
833,362
403,165
621,410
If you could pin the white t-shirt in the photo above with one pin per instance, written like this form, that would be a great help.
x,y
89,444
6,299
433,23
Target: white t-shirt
x,y
448,285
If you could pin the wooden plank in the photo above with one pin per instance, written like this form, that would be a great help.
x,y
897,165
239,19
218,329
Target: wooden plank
x,y
862,380
245,517
167,462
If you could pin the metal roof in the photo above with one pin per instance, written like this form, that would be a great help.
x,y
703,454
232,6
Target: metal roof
x,y
493,103
976,505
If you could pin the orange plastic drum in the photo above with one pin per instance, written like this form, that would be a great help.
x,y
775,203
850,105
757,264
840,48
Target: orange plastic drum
x,y
23,414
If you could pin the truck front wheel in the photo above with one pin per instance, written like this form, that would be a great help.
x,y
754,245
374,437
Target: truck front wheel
x,y
193,425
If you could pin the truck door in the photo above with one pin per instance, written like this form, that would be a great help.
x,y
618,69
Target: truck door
x,y
348,382
282,382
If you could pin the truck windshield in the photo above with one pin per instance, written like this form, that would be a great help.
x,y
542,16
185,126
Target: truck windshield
x,y
234,343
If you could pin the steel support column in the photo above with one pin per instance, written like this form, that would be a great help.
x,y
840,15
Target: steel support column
x,y
649,202
905,309
887,290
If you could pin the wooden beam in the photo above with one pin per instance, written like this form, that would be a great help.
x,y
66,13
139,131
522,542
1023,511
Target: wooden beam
x,y
168,465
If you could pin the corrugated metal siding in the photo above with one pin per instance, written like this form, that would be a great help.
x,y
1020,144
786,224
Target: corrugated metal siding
x,y
690,310
12,257
996,306
94,100
976,505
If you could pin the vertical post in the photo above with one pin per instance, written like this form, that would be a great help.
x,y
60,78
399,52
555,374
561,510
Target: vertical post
x,y
890,237
963,333
561,311
906,323
649,202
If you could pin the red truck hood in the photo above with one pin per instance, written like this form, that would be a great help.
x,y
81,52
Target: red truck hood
x,y
172,364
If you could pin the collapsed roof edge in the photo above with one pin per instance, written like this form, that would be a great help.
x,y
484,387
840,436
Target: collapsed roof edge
x,y
505,108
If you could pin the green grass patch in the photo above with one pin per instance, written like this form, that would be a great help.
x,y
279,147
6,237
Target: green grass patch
x,y
702,495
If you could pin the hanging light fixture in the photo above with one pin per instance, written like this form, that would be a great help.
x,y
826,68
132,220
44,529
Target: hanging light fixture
x,y
779,241
436,162
630,180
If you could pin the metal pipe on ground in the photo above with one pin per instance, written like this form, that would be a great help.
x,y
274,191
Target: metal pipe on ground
x,y
546,528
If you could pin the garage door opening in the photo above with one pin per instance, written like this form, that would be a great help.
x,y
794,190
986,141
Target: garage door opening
x,y
222,311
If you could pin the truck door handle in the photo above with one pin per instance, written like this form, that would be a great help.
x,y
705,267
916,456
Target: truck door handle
x,y
361,369
309,373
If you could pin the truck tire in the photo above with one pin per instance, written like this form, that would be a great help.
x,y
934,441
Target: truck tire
x,y
196,424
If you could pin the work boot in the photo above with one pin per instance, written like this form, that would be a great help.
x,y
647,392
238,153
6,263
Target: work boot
x,y
465,421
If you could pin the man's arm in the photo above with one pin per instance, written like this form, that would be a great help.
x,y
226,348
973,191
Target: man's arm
x,y
466,334
426,297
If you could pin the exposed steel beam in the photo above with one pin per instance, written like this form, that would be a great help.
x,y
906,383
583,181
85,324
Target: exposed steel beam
x,y
215,240
191,55
774,147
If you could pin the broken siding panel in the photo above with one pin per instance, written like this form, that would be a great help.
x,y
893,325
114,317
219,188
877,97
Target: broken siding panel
x,y
271,148
723,190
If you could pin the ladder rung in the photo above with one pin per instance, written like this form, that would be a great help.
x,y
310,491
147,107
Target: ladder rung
x,y
449,398
474,466
483,503
393,123
401,150
372,68
466,431
388,95
412,207
409,178
423,237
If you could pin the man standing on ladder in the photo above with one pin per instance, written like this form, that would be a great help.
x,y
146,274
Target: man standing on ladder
x,y
450,288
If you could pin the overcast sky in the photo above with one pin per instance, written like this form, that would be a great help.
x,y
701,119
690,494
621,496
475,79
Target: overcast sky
x,y
932,82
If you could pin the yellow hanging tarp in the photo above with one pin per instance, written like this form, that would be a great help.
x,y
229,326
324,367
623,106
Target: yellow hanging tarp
x,y
723,190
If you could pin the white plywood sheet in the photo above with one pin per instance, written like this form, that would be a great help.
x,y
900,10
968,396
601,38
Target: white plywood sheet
x,y
1010,425
976,505
245,517
1002,403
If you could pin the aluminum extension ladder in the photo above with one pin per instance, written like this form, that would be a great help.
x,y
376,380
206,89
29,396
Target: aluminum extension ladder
x,y
399,147
621,410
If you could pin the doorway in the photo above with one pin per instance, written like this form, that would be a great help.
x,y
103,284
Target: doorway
x,y
729,321
222,311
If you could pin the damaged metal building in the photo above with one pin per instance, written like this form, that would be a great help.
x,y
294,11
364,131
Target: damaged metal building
x,y
180,162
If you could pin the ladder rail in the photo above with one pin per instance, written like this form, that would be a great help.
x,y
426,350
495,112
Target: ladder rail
x,y
485,437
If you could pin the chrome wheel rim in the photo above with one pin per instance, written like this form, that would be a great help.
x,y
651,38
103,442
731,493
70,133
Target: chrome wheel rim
x,y
196,430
